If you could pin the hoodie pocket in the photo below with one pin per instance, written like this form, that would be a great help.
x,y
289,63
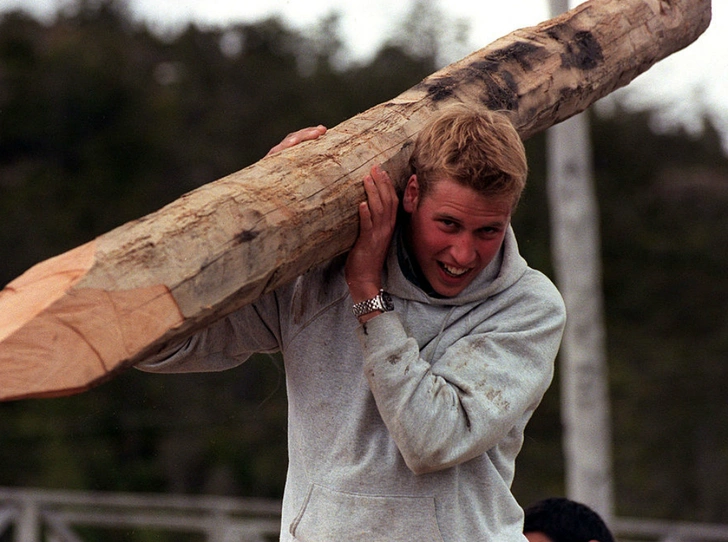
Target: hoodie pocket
x,y
333,516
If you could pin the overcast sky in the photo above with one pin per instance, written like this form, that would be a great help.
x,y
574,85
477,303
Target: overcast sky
x,y
684,83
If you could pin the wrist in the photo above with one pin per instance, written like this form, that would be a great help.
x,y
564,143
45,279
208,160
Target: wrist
x,y
364,318
369,308
361,291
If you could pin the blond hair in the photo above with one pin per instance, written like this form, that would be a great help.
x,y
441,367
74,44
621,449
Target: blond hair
x,y
478,149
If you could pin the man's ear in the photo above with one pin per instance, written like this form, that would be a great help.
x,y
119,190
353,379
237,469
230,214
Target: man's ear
x,y
411,195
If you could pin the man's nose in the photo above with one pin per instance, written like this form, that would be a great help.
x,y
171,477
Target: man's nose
x,y
463,250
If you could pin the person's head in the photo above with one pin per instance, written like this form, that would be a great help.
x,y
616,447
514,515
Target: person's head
x,y
468,172
562,520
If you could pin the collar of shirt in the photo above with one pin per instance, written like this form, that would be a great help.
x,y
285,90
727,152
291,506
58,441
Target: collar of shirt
x,y
409,266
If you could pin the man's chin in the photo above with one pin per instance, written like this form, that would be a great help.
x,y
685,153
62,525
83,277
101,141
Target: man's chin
x,y
449,286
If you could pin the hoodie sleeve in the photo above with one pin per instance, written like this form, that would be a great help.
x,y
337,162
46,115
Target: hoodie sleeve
x,y
482,387
224,344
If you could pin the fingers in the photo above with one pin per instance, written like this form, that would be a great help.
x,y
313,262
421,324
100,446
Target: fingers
x,y
381,197
294,138
365,217
307,134
377,218
378,214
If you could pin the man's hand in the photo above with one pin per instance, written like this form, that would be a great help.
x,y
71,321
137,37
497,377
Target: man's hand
x,y
377,218
294,138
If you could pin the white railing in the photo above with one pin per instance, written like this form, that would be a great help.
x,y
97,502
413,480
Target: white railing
x,y
35,515
50,516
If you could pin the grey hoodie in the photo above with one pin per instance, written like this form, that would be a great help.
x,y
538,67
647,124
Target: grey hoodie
x,y
406,428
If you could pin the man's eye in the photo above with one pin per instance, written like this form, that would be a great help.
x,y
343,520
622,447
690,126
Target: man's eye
x,y
490,231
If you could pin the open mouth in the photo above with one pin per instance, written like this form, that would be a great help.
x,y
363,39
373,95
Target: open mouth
x,y
454,272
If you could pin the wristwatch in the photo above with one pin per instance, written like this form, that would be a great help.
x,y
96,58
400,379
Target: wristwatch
x,y
380,302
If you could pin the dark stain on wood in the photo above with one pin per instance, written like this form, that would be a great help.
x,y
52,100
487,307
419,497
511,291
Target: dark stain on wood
x,y
440,89
502,96
246,236
522,52
581,49
494,72
500,89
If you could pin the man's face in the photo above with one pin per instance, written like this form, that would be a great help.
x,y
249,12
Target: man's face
x,y
454,232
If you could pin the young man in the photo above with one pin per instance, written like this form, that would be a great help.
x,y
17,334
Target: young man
x,y
562,520
414,362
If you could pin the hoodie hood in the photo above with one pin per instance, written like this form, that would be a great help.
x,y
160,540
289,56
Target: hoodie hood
x,y
506,268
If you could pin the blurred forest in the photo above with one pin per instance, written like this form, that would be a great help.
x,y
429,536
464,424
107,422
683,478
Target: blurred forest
x,y
103,121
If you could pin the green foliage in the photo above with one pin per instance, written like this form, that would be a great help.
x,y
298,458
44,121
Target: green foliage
x,y
102,121
665,232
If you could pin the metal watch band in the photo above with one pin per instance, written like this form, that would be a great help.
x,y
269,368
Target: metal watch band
x,y
381,302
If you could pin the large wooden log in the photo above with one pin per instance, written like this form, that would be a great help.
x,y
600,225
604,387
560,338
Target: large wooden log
x,y
74,320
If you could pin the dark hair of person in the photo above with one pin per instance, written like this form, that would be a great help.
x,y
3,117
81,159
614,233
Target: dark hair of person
x,y
564,520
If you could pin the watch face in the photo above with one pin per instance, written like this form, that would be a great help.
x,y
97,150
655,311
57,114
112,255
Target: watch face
x,y
387,300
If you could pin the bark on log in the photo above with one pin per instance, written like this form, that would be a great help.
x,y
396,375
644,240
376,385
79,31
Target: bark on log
x,y
74,320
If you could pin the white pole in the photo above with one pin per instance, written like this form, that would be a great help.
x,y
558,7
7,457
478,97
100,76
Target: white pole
x,y
576,245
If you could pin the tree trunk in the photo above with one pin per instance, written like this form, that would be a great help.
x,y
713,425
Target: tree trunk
x,y
73,320
575,250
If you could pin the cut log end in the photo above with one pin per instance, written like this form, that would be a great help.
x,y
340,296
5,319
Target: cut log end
x,y
39,287
58,339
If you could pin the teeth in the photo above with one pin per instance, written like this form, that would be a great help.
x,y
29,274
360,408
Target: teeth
x,y
455,271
